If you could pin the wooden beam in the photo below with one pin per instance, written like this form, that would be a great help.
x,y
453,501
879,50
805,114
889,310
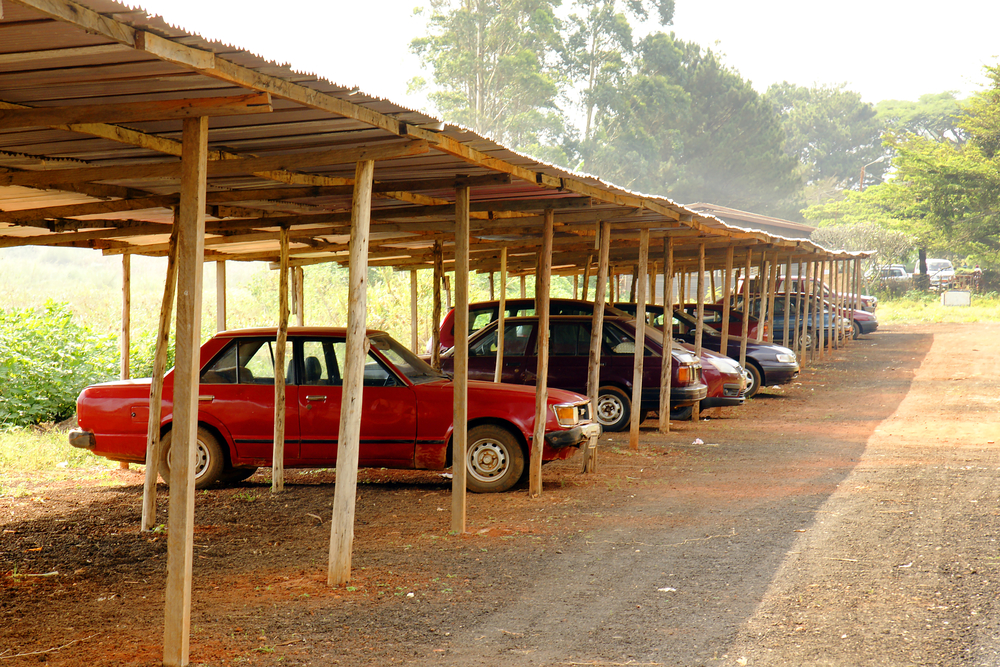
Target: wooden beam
x,y
460,382
184,434
278,444
639,286
172,170
131,112
542,286
156,388
349,439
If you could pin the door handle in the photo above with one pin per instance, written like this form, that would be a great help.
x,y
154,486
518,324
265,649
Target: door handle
x,y
316,398
206,397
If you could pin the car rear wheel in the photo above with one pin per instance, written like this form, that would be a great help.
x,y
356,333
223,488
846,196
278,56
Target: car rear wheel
x,y
754,380
613,408
495,460
209,459
682,414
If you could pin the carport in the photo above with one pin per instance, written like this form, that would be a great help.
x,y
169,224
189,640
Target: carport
x,y
127,136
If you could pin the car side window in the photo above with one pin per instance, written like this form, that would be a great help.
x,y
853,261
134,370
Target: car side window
x,y
618,342
316,356
480,318
515,339
569,340
375,375
246,361
223,369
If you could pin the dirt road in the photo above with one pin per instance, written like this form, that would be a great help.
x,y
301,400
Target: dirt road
x,y
849,519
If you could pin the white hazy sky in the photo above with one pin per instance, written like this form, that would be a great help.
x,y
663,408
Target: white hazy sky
x,y
883,49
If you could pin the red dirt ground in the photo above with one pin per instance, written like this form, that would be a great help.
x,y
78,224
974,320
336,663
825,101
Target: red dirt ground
x,y
848,519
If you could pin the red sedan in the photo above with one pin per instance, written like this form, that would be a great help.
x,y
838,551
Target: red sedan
x,y
406,420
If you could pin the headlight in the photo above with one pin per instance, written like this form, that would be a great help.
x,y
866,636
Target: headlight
x,y
687,374
786,358
566,414
725,366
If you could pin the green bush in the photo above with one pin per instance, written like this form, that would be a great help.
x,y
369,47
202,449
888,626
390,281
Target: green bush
x,y
45,360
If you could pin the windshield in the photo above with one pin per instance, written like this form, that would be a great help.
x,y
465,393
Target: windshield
x,y
410,365
935,265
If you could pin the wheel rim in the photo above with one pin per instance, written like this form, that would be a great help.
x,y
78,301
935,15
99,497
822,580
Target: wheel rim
x,y
751,384
488,460
609,409
202,459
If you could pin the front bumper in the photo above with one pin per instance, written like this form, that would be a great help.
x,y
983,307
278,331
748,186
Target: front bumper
x,y
572,437
867,327
82,439
779,373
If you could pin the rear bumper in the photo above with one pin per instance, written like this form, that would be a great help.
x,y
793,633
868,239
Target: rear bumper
x,y
683,396
82,439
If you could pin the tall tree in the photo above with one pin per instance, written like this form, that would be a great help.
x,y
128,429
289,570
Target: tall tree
x,y
934,116
495,64
599,48
830,131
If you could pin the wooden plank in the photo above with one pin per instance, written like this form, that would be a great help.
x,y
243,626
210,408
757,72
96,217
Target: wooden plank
x,y
666,370
172,170
542,285
640,282
131,112
501,316
278,444
414,313
460,398
180,524
156,387
349,439
220,296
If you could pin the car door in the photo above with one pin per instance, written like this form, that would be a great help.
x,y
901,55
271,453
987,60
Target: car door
x,y
518,337
236,393
388,407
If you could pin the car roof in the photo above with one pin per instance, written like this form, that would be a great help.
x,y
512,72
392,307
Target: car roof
x,y
292,331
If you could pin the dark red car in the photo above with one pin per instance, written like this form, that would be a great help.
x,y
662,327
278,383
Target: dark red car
x,y
406,420
569,356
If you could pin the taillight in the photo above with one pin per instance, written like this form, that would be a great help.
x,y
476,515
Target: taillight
x,y
767,333
684,375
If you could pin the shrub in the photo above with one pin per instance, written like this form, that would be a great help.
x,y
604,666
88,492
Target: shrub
x,y
45,360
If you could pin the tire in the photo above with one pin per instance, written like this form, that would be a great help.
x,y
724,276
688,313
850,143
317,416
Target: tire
x,y
495,460
682,414
209,459
237,475
756,379
857,330
614,410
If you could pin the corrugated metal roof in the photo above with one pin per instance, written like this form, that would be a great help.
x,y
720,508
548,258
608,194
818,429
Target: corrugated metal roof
x,y
118,56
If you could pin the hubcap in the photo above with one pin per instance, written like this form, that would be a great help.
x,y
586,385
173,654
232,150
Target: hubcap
x,y
201,459
609,409
487,460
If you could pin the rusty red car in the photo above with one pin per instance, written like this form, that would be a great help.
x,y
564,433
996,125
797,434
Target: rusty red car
x,y
406,414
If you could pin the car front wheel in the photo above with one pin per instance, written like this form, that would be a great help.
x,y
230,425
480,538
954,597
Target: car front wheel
x,y
613,408
494,461
209,459
754,380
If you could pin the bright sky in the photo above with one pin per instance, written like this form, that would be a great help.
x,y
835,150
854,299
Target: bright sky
x,y
883,49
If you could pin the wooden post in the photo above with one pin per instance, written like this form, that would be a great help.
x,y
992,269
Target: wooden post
x,y
414,313
542,283
180,523
666,363
460,398
299,280
156,384
586,276
596,334
349,437
805,295
699,325
492,287
727,296
682,297
524,288
278,446
576,286
772,283
640,276
787,283
817,304
220,296
765,312
712,286
126,342
436,308
746,309
501,315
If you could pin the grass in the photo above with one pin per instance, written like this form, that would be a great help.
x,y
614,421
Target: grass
x,y
43,455
920,308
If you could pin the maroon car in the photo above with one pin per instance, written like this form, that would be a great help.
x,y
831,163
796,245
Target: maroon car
x,y
569,351
406,414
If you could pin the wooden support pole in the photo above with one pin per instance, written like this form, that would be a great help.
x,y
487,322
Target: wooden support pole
x,y
184,435
126,342
699,329
156,385
805,296
299,292
220,296
632,287
524,288
762,283
576,286
772,283
746,309
727,296
597,322
586,277
460,398
817,304
436,308
349,436
787,283
666,364
542,284
501,316
414,313
278,446
641,277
